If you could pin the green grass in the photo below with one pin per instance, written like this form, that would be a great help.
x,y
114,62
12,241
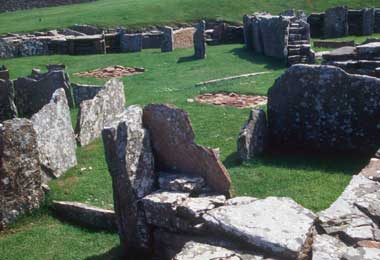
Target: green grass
x,y
138,13
313,181
356,39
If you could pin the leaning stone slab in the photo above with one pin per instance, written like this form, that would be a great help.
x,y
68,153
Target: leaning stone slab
x,y
55,136
20,172
32,94
326,109
253,136
131,165
8,109
180,182
83,92
175,149
278,226
100,111
85,215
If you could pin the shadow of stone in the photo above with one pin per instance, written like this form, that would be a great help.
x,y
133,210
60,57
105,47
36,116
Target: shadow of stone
x,y
186,59
269,62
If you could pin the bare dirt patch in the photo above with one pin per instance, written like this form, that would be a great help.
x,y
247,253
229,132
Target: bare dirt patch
x,y
232,99
111,72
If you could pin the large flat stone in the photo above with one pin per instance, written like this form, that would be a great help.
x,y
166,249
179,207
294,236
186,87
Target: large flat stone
x,y
278,226
175,148
55,136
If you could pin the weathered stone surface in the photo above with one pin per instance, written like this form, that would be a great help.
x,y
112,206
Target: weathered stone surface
x,y
278,226
176,151
167,43
86,29
160,210
55,136
240,201
253,136
20,172
201,251
368,21
257,42
180,182
131,42
131,165
84,92
369,50
372,170
341,54
274,32
31,94
248,35
52,67
200,41
100,111
85,215
194,208
353,214
335,22
183,38
323,108
8,109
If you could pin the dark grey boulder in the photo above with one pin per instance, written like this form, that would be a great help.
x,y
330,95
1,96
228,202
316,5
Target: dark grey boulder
x,y
8,108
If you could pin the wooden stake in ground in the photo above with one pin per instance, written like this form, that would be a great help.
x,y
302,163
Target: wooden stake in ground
x,y
230,78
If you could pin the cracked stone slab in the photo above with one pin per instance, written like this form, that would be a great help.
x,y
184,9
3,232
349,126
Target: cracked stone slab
x,y
276,225
180,182
193,208
55,136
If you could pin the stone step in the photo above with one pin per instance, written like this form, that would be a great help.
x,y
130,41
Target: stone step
x,y
296,29
295,37
292,52
301,42
299,46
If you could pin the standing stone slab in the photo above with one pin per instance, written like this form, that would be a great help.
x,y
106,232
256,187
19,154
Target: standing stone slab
x,y
131,165
200,41
20,172
248,35
257,40
335,22
32,94
8,109
368,21
278,226
84,92
176,151
55,136
253,136
131,42
167,42
103,109
325,109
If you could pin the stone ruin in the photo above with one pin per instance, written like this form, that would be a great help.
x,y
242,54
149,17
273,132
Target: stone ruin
x,y
282,37
341,21
362,59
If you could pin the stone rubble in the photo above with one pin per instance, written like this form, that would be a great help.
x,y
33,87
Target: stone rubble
x,y
55,136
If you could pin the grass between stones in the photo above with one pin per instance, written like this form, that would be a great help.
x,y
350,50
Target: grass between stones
x,y
313,181
138,13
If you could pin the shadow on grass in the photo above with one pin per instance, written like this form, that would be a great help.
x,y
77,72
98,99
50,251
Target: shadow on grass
x,y
115,253
270,63
187,59
348,164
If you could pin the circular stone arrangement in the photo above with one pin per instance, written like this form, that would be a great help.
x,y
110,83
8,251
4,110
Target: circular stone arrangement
x,y
111,72
232,99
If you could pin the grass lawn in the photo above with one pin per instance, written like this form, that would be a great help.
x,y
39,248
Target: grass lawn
x,y
313,181
356,39
137,13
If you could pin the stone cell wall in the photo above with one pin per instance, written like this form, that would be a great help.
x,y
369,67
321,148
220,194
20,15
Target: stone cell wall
x,y
14,5
183,38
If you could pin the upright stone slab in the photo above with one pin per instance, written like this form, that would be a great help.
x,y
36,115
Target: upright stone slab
x,y
257,40
175,148
103,109
167,42
200,41
274,31
131,42
20,172
368,21
83,92
8,109
248,35
278,226
335,22
131,165
253,136
32,94
55,136
325,109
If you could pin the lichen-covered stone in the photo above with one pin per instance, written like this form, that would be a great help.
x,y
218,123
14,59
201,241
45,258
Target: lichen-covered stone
x,y
55,136
253,136
20,172
278,226
8,109
335,22
131,165
325,109
175,149
32,94
83,92
180,182
100,111
194,207
200,41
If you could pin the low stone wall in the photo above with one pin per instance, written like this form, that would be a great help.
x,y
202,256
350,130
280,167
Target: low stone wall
x,y
14,5
183,38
